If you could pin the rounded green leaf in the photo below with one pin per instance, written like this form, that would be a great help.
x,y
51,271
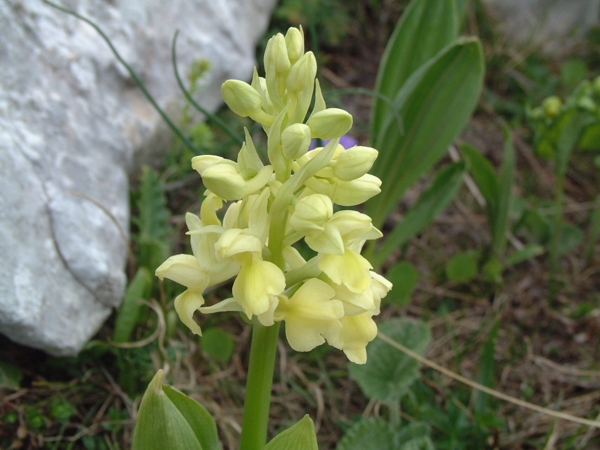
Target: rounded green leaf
x,y
369,433
462,267
388,372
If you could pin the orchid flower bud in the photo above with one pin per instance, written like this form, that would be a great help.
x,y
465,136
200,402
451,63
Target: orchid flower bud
x,y
203,162
295,140
241,98
311,213
354,163
235,241
276,55
331,123
225,181
294,42
347,193
302,73
355,192
551,106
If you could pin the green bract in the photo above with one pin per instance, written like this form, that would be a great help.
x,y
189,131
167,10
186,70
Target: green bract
x,y
331,297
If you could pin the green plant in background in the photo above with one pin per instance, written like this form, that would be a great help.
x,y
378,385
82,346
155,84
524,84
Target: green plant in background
x,y
559,129
433,78
328,20
497,192
387,377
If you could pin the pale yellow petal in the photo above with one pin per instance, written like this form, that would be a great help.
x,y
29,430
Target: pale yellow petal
x,y
185,305
356,333
226,305
185,270
350,269
255,284
310,315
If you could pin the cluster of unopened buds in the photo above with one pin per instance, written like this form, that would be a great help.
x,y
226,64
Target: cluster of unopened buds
x,y
333,295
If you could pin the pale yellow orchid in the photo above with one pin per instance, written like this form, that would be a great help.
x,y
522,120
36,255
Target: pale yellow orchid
x,y
330,296
357,331
311,315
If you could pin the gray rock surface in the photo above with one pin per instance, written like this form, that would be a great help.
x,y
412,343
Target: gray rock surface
x,y
73,126
549,24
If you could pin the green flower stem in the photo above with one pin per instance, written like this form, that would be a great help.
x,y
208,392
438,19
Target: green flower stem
x,y
556,234
258,387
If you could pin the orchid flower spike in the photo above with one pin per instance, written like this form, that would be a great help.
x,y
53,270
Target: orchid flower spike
x,y
273,205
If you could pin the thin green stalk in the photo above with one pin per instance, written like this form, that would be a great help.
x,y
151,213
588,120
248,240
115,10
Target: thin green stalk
x,y
558,223
258,387
132,73
214,118
594,232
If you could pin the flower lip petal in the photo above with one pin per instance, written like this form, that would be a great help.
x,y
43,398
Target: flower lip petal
x,y
185,270
185,305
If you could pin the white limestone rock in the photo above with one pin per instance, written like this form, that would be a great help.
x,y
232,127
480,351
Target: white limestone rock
x,y
552,25
73,125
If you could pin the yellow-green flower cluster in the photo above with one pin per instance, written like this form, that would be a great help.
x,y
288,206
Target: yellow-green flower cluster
x,y
334,295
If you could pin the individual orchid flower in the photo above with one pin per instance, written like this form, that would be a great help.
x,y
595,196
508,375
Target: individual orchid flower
x,y
357,331
311,315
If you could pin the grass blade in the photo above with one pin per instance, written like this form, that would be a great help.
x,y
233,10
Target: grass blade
x,y
507,175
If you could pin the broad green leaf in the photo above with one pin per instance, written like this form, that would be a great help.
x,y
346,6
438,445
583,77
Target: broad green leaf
x,y
404,277
300,436
507,175
129,313
484,176
462,267
369,433
160,425
425,28
435,104
427,208
461,9
388,372
198,418
218,344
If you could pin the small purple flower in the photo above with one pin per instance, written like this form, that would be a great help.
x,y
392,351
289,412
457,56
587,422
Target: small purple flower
x,y
346,141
